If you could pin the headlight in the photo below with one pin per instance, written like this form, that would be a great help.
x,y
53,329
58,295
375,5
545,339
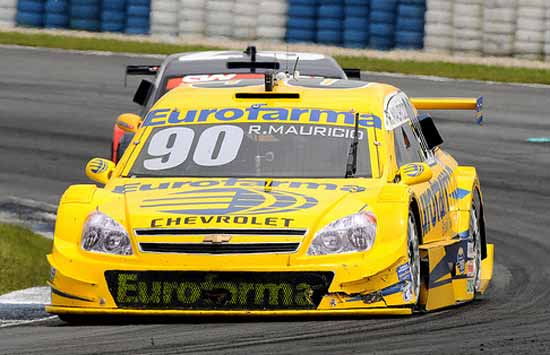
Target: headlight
x,y
350,234
102,234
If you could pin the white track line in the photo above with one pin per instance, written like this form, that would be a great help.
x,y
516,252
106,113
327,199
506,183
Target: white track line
x,y
15,323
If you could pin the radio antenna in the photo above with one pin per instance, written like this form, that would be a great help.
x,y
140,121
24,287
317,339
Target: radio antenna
x,y
295,67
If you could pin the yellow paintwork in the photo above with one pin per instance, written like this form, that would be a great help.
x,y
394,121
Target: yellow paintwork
x,y
79,281
128,122
432,103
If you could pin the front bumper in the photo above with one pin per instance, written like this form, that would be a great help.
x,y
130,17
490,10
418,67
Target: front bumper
x,y
175,313
81,284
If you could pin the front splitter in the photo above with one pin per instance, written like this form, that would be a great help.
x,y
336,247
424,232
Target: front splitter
x,y
236,313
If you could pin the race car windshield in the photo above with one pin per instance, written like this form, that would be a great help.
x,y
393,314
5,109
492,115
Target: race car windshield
x,y
251,150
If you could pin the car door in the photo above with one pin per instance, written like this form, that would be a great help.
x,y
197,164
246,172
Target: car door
x,y
433,196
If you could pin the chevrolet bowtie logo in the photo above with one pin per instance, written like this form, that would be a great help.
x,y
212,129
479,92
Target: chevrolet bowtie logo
x,y
217,238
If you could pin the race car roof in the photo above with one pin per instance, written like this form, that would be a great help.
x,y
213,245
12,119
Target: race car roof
x,y
215,62
339,95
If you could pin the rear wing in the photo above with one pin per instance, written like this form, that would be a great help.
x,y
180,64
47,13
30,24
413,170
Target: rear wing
x,y
430,103
140,70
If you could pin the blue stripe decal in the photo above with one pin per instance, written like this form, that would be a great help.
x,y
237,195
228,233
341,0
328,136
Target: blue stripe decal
x,y
459,193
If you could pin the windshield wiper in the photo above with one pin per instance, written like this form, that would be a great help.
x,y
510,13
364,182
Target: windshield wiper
x,y
351,165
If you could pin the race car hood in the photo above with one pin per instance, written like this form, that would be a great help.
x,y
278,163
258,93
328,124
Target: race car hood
x,y
239,203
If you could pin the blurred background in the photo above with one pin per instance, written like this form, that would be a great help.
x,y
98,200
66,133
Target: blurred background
x,y
513,28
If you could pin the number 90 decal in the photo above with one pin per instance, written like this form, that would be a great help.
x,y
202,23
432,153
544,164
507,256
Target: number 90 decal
x,y
170,147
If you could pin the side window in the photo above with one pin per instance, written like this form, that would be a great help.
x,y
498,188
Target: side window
x,y
408,148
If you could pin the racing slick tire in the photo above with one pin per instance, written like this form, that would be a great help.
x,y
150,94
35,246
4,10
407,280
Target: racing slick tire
x,y
413,250
476,231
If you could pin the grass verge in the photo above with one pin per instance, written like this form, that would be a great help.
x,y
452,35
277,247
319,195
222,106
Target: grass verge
x,y
435,68
22,258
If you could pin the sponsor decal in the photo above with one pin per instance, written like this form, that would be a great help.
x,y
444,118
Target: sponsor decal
x,y
235,182
166,116
190,79
413,170
464,235
435,201
52,274
230,220
223,290
230,201
98,166
460,260
404,272
407,292
459,194
470,268
470,286
304,130
471,250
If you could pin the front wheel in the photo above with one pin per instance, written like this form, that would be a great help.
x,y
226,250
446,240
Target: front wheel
x,y
411,290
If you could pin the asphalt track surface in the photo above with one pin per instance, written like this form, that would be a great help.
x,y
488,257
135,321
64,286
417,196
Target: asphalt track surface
x,y
57,110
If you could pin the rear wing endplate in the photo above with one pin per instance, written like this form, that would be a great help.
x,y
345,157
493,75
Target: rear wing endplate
x,y
430,103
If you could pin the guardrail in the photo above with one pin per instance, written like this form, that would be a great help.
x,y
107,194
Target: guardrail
x,y
519,28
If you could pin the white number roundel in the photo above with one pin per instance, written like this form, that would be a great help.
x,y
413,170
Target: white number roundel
x,y
218,145
170,147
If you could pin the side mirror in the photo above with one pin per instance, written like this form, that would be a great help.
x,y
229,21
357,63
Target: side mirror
x,y
143,91
128,122
430,132
415,173
100,170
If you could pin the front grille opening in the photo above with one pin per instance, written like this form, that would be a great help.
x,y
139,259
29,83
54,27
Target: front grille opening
x,y
204,248
207,290
270,95
189,231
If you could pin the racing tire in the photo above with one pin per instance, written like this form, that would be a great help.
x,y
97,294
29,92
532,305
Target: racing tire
x,y
138,11
475,235
331,11
384,5
112,26
8,4
137,23
413,251
137,30
356,11
55,20
138,3
84,25
56,7
301,23
30,19
108,16
30,6
8,14
113,5
7,23
299,11
297,35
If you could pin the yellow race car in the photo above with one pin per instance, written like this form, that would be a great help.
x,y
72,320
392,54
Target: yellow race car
x,y
277,196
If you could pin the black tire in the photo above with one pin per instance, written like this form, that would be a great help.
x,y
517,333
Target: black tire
x,y
413,242
476,237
